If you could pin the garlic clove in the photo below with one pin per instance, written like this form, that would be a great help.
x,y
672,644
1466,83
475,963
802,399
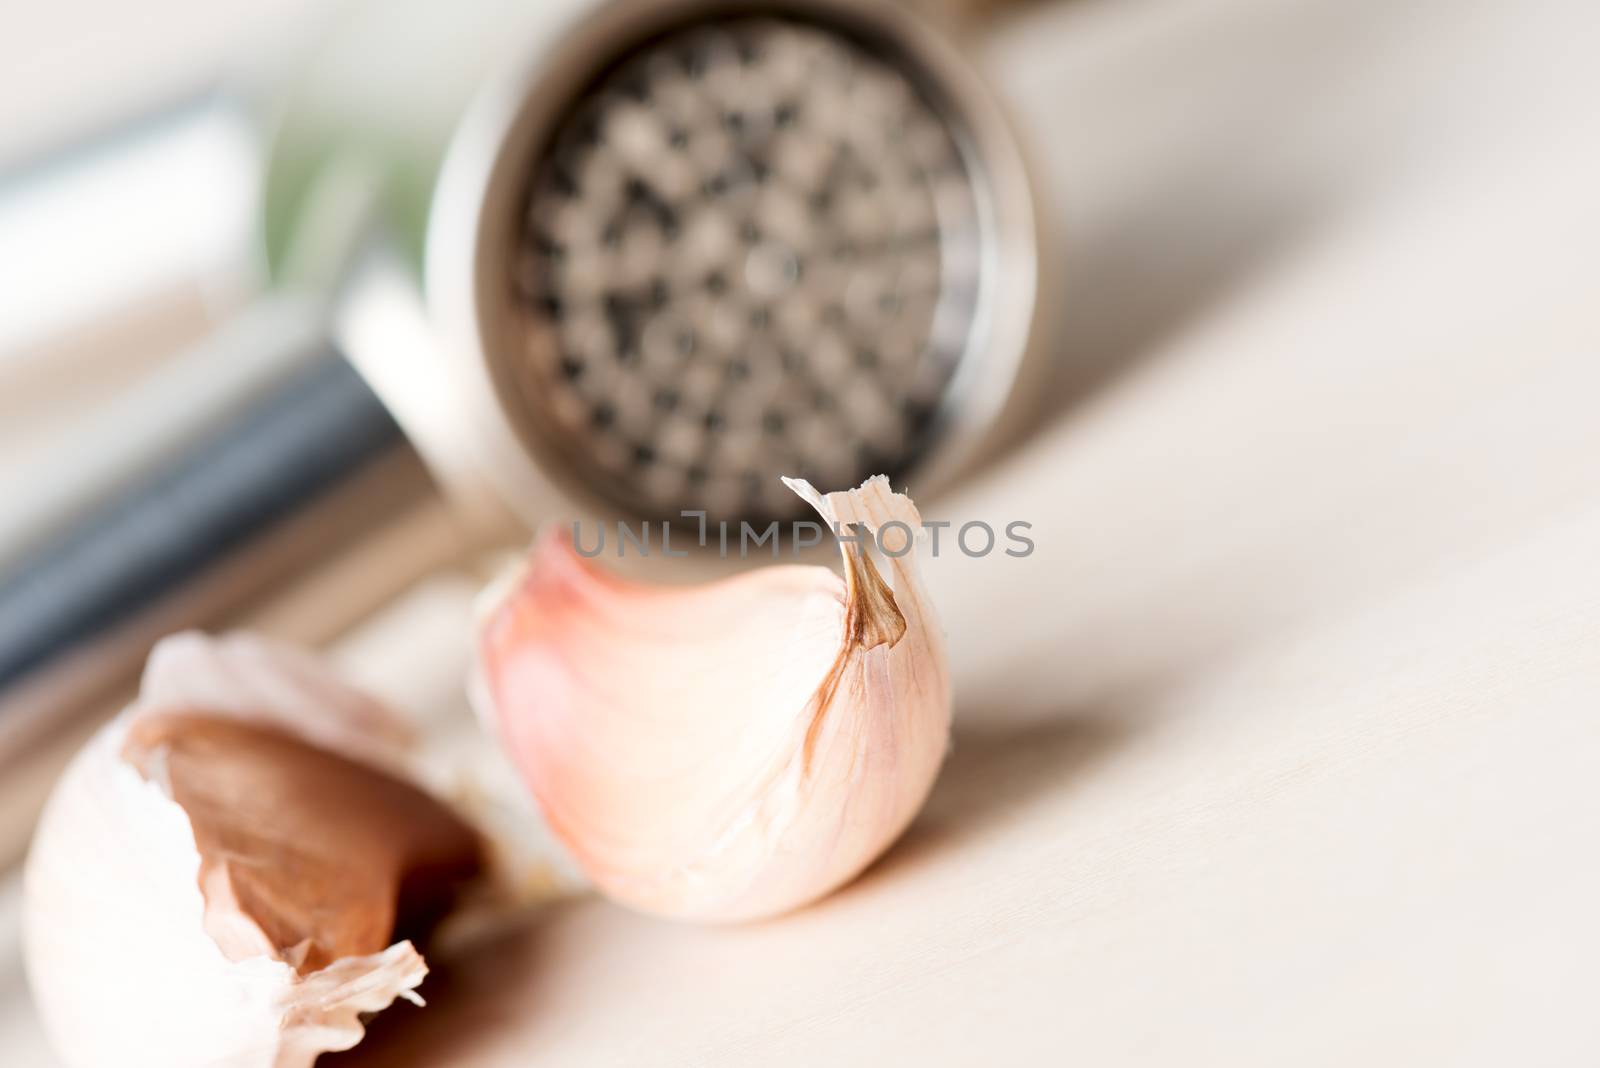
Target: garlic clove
x,y
218,874
729,751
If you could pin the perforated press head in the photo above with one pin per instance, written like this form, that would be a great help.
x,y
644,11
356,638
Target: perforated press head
x,y
754,240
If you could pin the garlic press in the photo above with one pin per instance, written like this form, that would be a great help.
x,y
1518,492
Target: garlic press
x,y
632,258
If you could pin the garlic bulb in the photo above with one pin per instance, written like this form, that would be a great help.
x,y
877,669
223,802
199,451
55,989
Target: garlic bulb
x,y
220,875
730,751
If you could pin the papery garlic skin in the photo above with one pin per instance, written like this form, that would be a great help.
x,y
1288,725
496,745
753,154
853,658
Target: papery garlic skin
x,y
252,678
121,967
730,751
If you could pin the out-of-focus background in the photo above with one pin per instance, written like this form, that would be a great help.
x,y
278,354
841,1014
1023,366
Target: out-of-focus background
x,y
1281,746
108,109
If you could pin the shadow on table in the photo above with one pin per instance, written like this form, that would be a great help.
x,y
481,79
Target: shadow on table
x,y
463,1014
991,777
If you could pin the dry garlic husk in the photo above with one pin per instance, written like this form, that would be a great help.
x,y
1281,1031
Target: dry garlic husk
x,y
729,751
225,875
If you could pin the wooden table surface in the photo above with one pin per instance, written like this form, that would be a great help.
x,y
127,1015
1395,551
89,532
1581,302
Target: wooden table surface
x,y
1281,747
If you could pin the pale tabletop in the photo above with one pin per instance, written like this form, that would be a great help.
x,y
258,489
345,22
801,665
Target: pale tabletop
x,y
1281,749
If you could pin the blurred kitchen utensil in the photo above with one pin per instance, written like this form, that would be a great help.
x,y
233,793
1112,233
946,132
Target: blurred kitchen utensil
x,y
622,258
674,249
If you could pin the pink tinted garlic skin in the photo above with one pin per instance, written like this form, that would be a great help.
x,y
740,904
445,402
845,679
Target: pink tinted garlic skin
x,y
731,751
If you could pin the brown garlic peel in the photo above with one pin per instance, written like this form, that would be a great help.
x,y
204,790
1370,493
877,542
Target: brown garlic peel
x,y
730,751
305,855
223,887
